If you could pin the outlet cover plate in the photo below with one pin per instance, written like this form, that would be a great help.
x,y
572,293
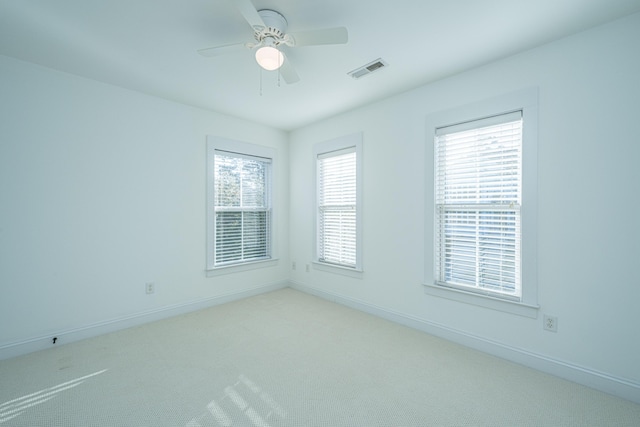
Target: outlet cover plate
x,y
550,323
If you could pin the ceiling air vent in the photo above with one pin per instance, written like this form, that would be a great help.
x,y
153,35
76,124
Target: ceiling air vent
x,y
368,69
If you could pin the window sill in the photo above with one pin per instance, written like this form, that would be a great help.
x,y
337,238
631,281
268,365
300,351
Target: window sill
x,y
229,269
345,271
513,307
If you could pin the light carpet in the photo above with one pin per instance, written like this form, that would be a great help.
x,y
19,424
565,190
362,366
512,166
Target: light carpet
x,y
287,358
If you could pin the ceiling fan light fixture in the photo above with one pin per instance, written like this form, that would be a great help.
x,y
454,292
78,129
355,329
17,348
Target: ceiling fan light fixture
x,y
269,58
270,34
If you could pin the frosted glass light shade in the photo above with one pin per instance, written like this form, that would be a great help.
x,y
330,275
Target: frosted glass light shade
x,y
269,58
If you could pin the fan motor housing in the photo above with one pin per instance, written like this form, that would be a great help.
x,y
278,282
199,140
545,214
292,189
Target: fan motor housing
x,y
275,25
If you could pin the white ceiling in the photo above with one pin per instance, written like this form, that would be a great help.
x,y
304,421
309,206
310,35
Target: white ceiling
x,y
150,46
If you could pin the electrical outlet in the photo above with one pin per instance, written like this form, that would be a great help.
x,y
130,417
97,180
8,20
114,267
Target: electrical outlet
x,y
293,265
550,323
307,268
150,287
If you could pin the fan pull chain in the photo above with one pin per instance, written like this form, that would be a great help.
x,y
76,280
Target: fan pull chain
x,y
260,81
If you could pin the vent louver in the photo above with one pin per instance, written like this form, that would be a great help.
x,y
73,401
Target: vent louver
x,y
368,68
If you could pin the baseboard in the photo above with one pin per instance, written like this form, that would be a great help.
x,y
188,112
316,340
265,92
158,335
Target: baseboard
x,y
89,331
620,387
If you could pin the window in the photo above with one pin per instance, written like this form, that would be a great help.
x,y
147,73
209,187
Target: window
x,y
240,211
338,202
484,186
478,189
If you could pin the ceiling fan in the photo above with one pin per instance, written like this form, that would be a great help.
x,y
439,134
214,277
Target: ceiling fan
x,y
270,34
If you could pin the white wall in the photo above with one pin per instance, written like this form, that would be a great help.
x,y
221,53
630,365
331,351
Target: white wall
x,y
588,233
102,190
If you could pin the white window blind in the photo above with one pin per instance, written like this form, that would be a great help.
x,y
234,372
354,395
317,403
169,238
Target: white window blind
x,y
242,206
337,207
478,192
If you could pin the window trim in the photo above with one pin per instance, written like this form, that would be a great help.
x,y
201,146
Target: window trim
x,y
319,149
527,101
215,143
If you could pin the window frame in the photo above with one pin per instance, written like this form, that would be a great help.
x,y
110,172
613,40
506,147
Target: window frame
x,y
242,149
337,145
527,102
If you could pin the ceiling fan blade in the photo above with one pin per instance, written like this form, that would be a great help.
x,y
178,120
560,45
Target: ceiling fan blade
x,y
288,72
221,50
250,13
338,35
